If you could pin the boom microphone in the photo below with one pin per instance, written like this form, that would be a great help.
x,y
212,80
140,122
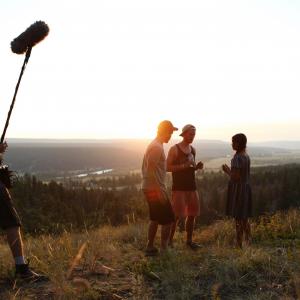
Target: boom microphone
x,y
30,37
21,44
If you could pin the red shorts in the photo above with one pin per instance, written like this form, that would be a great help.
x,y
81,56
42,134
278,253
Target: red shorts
x,y
185,203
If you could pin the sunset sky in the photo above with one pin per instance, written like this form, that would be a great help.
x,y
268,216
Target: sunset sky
x,y
114,69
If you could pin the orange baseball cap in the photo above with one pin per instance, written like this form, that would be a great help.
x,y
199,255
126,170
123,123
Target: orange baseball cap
x,y
166,125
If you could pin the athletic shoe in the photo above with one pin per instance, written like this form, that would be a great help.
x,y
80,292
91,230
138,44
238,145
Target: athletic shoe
x,y
23,272
193,246
151,252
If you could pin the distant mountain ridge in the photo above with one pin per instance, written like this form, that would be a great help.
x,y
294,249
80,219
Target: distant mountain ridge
x,y
291,145
288,144
53,155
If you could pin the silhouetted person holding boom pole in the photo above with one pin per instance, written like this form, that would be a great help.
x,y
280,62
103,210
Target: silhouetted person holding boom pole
x,y
10,223
9,219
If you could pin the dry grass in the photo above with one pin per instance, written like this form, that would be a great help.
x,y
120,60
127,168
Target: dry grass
x,y
109,264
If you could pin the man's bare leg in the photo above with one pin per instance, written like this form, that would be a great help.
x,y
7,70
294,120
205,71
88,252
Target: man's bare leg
x,y
189,227
172,231
15,242
165,236
23,271
152,230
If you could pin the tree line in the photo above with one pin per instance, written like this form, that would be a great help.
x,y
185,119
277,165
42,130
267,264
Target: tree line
x,y
53,207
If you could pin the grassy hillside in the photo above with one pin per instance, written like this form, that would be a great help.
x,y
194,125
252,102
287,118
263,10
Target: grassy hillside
x,y
109,264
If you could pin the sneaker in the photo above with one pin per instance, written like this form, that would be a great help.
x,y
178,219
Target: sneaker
x,y
193,245
171,245
23,272
151,252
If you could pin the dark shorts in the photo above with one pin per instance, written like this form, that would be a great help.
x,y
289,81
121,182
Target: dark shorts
x,y
160,208
8,215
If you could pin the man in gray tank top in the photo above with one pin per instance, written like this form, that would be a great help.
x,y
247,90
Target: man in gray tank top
x,y
154,187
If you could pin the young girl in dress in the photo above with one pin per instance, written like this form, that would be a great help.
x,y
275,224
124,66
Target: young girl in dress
x,y
239,197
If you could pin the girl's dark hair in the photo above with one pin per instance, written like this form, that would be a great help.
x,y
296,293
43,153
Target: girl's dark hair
x,y
241,140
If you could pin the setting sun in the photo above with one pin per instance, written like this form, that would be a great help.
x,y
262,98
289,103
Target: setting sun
x,y
109,70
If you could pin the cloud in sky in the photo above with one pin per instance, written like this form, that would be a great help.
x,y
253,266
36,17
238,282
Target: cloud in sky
x,y
116,68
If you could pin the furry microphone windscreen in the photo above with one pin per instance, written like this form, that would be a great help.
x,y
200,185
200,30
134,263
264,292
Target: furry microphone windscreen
x,y
30,37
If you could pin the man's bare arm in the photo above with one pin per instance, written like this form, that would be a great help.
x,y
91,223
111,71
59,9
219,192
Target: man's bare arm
x,y
154,156
3,147
199,165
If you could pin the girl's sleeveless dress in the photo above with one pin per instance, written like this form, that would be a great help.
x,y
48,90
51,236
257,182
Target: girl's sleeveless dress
x,y
239,196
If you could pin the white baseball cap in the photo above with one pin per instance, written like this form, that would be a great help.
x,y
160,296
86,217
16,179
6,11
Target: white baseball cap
x,y
186,128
